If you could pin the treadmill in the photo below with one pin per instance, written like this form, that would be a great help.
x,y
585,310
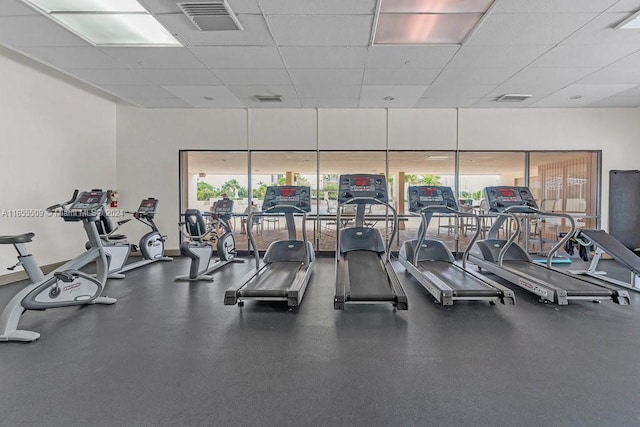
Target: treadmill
x,y
364,273
510,261
434,265
284,272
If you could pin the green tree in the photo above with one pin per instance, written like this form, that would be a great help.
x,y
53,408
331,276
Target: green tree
x,y
232,188
430,180
206,191
258,193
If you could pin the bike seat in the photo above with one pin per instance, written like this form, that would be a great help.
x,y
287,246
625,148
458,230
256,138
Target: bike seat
x,y
117,237
18,238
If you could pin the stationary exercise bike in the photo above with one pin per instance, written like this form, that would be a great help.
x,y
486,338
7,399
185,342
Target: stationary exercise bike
x,y
66,285
118,249
199,237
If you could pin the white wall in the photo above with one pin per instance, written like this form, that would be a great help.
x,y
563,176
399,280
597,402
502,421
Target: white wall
x,y
149,140
56,135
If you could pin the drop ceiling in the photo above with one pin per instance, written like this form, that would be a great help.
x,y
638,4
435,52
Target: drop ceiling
x,y
318,54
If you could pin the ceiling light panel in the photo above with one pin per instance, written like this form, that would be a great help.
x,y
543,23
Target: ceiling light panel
x,y
107,22
435,6
396,28
427,21
50,6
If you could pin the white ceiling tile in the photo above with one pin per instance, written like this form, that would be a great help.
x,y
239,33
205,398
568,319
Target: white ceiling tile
x,y
194,96
328,91
162,103
169,6
527,29
556,6
588,94
111,77
330,102
613,74
15,7
445,102
491,102
410,56
138,92
624,6
321,30
70,58
255,32
598,55
497,56
238,57
601,30
403,96
631,61
36,30
475,76
257,76
324,56
394,76
627,98
325,7
540,81
174,77
249,91
320,76
457,91
154,57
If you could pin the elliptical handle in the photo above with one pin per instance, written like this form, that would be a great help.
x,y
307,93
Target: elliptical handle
x,y
60,205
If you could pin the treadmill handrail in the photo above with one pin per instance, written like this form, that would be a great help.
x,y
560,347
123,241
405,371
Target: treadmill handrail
x,y
535,211
266,213
379,202
458,213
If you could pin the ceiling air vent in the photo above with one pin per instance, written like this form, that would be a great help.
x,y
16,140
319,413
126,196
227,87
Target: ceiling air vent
x,y
513,97
269,98
211,16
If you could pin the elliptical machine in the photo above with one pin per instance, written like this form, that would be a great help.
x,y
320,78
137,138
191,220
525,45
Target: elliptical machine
x,y
66,285
199,238
151,244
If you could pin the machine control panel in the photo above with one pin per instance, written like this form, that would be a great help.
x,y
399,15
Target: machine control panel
x,y
285,197
362,185
500,198
223,206
148,207
422,196
88,204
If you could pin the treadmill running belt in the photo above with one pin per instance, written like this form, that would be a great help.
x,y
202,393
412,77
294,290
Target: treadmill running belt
x,y
273,281
457,279
367,276
573,286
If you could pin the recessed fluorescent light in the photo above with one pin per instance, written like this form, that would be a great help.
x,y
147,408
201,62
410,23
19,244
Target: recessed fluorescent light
x,y
107,22
631,23
513,97
437,157
427,21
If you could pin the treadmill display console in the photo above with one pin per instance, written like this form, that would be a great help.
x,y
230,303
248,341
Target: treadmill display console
x,y
503,197
365,186
281,199
422,196
148,206
223,206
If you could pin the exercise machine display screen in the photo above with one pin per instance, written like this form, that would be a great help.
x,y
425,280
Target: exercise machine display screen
x,y
148,206
363,186
422,196
89,200
280,199
223,206
500,198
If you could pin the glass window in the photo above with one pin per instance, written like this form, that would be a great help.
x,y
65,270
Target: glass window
x,y
281,168
212,175
565,182
332,165
421,168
